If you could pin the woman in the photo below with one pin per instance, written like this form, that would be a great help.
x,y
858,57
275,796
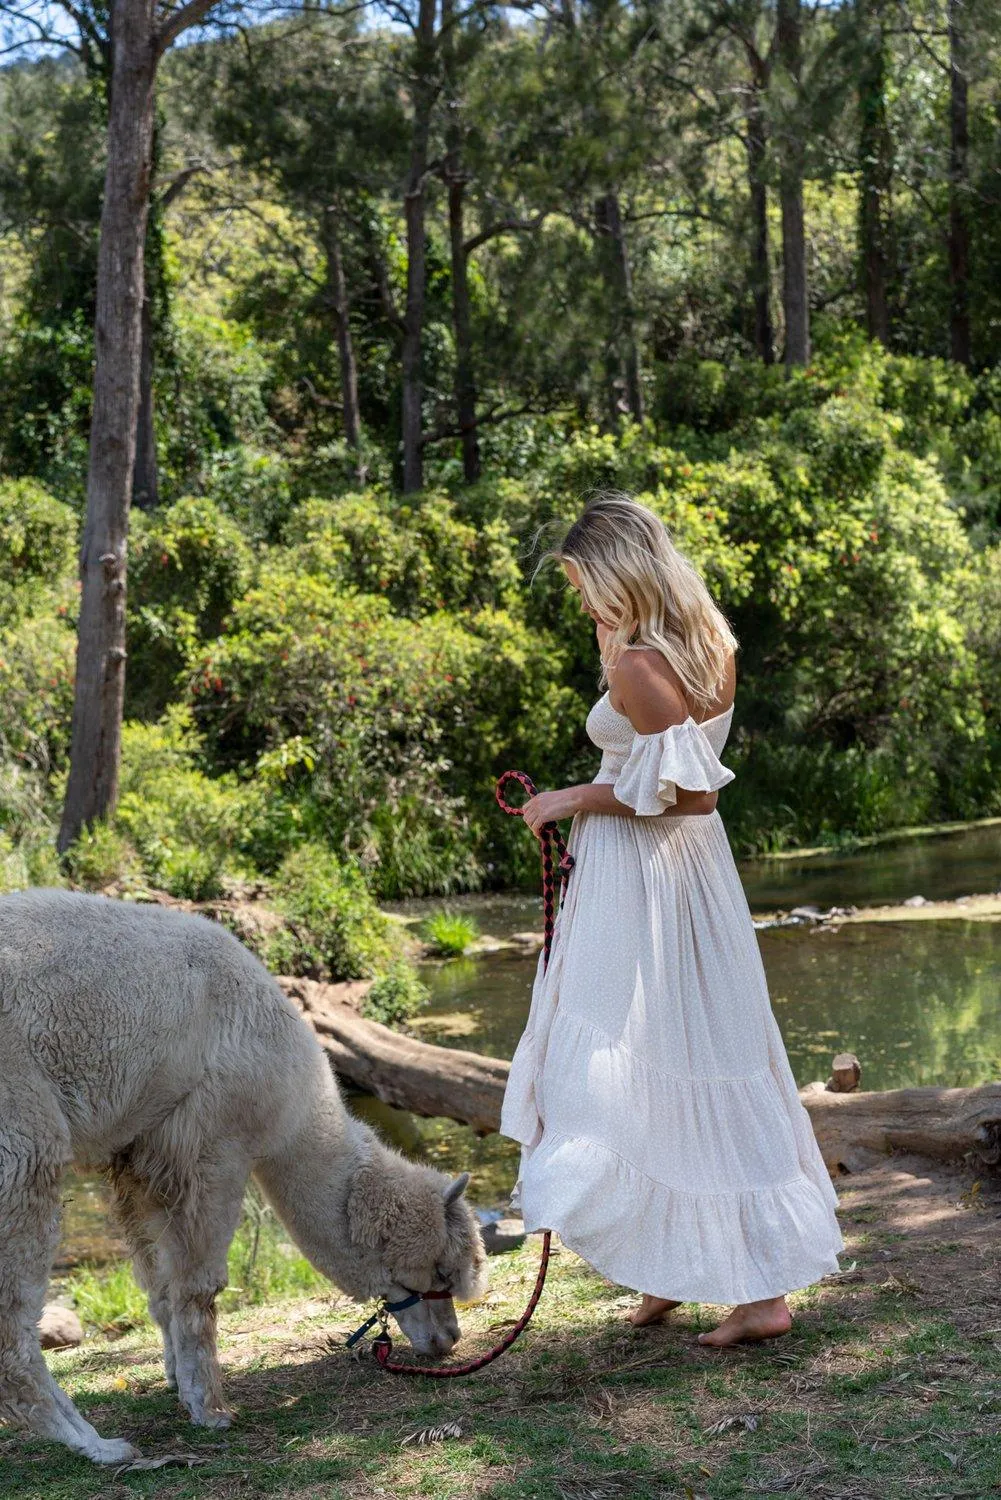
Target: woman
x,y
662,1134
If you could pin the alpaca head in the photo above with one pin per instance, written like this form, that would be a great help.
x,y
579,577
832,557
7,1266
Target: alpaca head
x,y
413,1231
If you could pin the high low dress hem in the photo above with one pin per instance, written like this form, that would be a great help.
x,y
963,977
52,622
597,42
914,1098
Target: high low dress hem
x,y
662,1133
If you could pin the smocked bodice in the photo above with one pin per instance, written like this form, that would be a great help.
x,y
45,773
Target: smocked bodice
x,y
618,741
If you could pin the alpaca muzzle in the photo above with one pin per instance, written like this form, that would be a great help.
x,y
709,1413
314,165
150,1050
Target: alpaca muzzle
x,y
384,1308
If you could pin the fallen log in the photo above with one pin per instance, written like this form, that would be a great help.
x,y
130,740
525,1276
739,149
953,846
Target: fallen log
x,y
853,1129
398,1069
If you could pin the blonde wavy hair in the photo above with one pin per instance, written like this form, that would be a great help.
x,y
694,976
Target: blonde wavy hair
x,y
638,583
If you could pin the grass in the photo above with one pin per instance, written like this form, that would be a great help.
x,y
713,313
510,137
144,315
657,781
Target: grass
x,y
449,933
264,1267
873,1394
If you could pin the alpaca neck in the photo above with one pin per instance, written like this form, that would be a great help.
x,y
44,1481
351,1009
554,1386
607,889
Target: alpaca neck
x,y
307,1182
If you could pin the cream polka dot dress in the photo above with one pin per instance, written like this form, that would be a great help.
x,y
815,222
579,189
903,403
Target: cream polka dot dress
x,y
662,1134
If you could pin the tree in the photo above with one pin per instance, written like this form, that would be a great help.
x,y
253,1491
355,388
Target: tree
x,y
875,165
309,109
959,186
795,282
140,33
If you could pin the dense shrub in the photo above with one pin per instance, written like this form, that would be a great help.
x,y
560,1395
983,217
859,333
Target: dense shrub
x,y
37,546
188,564
421,557
334,929
396,996
190,828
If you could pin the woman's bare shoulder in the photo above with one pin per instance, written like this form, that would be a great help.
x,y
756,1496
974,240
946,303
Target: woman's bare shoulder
x,y
648,690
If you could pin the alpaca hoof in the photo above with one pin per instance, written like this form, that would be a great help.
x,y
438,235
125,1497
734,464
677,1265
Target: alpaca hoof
x,y
112,1451
217,1418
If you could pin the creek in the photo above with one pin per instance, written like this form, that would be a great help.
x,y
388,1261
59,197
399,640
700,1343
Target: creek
x,y
919,1002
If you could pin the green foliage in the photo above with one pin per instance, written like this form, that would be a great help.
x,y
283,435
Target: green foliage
x,y
107,1298
449,933
396,996
189,563
263,1267
213,400
421,557
421,846
37,546
334,929
29,859
400,716
99,857
37,665
190,828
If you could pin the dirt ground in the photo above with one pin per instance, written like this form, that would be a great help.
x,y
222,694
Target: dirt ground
x,y
938,1227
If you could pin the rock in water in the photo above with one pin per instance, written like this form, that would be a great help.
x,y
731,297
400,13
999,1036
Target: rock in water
x,y
59,1328
503,1234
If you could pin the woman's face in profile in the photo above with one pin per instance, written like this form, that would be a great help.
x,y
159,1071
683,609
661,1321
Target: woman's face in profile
x,y
573,578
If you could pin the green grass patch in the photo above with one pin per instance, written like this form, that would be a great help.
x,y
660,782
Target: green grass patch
x,y
449,933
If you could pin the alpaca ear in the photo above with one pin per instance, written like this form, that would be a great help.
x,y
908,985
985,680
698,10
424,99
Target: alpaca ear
x,y
456,1189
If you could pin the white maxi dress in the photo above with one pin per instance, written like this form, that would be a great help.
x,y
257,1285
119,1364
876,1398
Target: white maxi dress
x,y
662,1134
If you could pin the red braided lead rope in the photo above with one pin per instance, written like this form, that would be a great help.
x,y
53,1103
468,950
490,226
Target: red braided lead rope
x,y
549,837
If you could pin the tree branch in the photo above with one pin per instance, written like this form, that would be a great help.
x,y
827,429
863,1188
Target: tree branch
x,y
177,21
505,226
488,419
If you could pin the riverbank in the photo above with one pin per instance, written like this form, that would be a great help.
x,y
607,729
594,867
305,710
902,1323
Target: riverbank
x,y
888,1386
877,840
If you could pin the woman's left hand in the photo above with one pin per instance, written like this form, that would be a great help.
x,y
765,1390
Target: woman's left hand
x,y
550,807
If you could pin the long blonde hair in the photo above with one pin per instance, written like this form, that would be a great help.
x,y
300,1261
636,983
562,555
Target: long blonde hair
x,y
637,582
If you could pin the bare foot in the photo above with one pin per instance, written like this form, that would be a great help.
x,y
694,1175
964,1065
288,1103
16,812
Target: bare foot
x,y
750,1322
650,1310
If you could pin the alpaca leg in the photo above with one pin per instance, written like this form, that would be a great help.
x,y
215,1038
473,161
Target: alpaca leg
x,y
33,1150
194,1244
143,1220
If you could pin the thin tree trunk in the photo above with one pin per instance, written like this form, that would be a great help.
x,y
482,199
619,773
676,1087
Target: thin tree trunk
x,y
146,477
337,295
795,289
465,377
455,181
757,152
875,169
100,675
414,211
959,225
624,361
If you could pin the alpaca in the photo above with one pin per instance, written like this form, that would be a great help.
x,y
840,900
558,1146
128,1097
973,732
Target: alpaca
x,y
152,1046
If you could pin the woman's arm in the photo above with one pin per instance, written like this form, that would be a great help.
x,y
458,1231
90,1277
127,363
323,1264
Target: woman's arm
x,y
599,797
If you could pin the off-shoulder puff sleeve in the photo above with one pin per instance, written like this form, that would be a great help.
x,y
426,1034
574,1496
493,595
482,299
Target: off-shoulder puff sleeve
x,y
658,764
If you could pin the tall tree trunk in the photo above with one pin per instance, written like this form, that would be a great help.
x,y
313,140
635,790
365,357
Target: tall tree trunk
x,y
455,181
100,674
795,288
146,476
875,169
465,375
624,361
414,212
337,297
959,223
757,153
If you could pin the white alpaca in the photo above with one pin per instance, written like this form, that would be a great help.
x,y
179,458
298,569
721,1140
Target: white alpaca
x,y
153,1046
